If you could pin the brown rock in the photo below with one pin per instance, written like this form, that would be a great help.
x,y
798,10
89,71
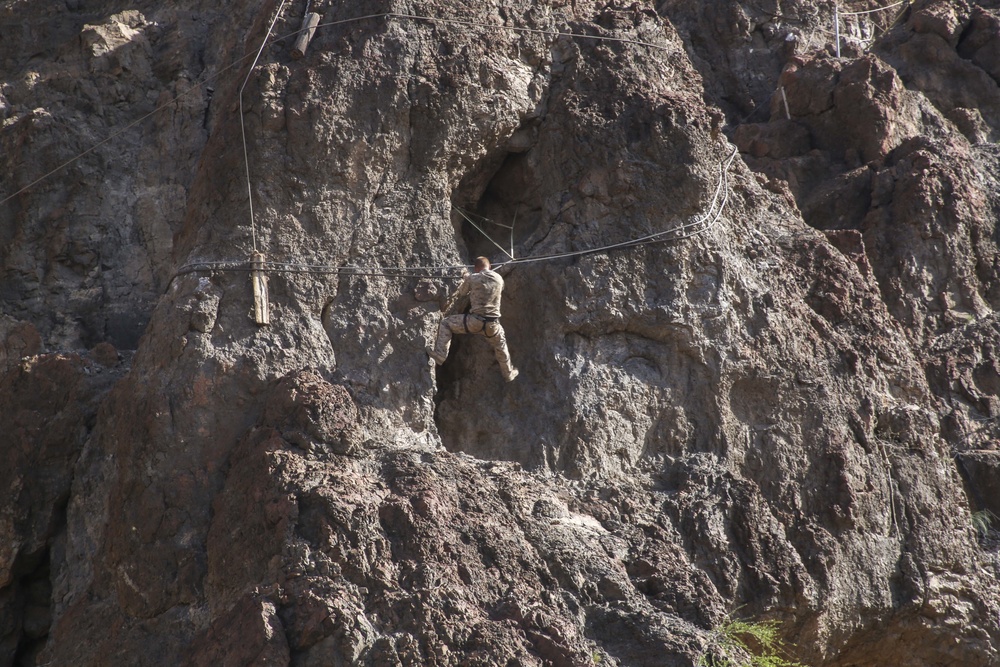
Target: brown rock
x,y
982,468
105,354
970,123
981,41
778,139
940,18
739,418
17,340
308,410
48,404
249,635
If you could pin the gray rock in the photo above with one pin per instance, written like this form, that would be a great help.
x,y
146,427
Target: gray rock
x,y
751,417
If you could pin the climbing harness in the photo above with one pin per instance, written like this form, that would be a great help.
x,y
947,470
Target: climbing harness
x,y
485,321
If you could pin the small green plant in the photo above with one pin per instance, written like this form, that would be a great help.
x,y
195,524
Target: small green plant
x,y
737,643
982,522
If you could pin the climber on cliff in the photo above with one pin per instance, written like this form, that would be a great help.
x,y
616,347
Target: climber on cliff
x,y
483,287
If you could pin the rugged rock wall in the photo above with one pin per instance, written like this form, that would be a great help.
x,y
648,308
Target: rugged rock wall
x,y
785,416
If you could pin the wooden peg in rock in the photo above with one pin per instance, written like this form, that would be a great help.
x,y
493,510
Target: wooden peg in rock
x,y
309,23
261,308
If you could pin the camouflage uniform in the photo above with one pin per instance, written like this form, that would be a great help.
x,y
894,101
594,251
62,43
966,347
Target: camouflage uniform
x,y
483,289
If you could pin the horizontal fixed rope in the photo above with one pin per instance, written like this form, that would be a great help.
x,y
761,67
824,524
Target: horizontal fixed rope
x,y
212,77
324,269
534,31
700,225
681,232
877,9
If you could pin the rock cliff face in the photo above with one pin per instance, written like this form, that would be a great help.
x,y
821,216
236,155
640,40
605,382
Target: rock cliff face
x,y
786,408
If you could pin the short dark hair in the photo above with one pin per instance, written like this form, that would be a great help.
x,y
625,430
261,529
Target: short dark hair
x,y
482,263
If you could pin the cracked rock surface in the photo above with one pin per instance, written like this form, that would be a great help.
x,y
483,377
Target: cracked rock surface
x,y
787,409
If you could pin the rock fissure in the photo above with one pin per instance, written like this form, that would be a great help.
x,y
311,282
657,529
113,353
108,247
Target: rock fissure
x,y
760,420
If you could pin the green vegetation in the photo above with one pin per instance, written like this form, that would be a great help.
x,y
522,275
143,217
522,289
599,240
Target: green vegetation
x,y
737,643
982,522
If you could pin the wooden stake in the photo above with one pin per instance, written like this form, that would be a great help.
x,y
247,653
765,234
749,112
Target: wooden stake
x,y
309,23
836,25
261,308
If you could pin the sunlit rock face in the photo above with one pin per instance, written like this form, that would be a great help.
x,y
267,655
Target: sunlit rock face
x,y
785,407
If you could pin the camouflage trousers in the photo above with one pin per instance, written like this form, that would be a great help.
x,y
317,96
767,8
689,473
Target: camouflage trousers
x,y
472,324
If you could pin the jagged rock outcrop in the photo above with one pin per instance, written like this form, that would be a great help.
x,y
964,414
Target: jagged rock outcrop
x,y
86,254
761,416
49,404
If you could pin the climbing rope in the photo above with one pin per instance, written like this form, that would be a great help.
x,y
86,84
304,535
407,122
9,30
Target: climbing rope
x,y
678,233
877,9
243,131
533,31
443,271
700,225
480,230
685,231
837,15
213,77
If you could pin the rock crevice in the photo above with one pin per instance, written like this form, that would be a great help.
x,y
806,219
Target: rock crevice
x,y
760,416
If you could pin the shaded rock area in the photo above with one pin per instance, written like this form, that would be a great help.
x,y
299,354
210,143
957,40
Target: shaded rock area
x,y
786,409
963,370
84,256
980,468
49,406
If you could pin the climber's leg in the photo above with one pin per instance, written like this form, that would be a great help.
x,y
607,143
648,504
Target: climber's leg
x,y
498,341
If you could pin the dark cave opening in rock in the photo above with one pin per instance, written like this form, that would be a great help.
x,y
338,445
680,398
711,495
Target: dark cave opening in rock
x,y
34,593
496,204
499,216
